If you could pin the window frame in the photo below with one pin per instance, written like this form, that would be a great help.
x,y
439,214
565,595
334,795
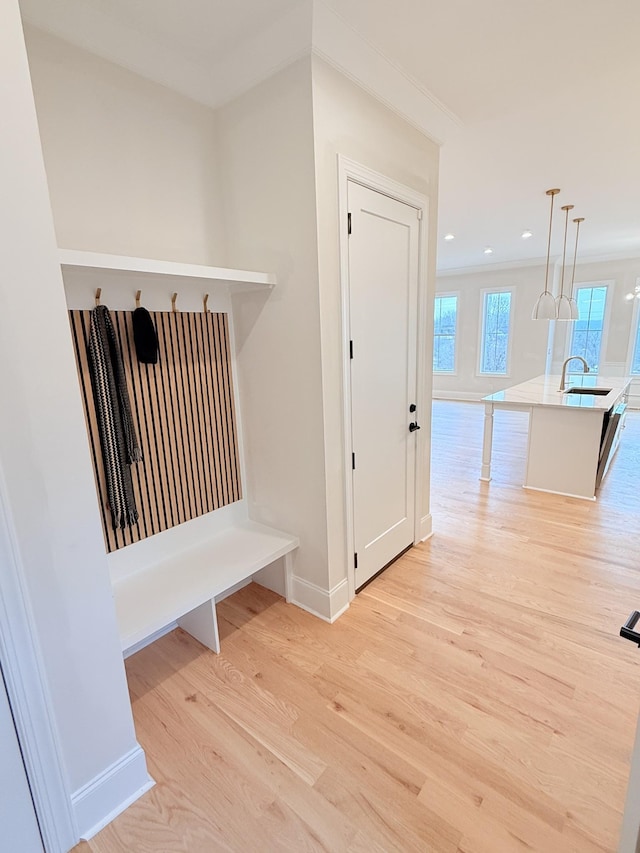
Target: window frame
x,y
634,336
606,320
444,294
484,293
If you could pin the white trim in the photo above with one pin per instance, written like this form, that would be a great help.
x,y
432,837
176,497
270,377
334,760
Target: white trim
x,y
136,647
426,527
625,255
443,295
29,697
553,492
606,320
151,266
443,272
327,606
350,170
500,266
635,320
98,802
484,292
337,42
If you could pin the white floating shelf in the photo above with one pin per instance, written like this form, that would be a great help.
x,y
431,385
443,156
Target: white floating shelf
x,y
70,258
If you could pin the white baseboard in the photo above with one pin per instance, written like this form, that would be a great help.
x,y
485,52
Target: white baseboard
x,y
136,647
461,396
107,795
325,604
232,589
564,494
426,527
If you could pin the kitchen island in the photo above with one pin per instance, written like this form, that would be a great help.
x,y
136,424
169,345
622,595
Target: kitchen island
x,y
573,434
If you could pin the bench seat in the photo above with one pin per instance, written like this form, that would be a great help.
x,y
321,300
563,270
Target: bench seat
x,y
183,588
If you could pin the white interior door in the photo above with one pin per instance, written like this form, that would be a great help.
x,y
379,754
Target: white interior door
x,y
383,308
19,832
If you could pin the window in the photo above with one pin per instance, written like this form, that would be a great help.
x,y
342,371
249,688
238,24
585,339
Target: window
x,y
635,358
586,339
496,318
444,334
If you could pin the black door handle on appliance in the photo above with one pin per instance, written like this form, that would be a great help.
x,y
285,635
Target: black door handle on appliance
x,y
627,629
414,426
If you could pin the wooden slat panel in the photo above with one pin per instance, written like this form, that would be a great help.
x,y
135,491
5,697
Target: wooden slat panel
x,y
184,413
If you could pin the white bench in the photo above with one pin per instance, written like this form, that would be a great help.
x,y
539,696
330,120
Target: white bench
x,y
183,588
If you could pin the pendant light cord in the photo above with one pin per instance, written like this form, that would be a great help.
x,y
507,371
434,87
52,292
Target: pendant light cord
x,y
552,193
575,253
567,208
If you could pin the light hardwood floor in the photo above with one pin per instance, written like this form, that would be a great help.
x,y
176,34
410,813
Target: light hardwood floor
x,y
476,697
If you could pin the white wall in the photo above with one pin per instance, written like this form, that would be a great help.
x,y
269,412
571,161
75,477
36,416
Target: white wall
x,y
135,169
531,339
131,165
350,122
266,146
45,457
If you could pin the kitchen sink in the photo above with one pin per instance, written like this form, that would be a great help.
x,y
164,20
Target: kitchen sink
x,y
598,392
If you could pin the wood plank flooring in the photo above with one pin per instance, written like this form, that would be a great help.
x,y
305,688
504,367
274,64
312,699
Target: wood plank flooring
x,y
475,698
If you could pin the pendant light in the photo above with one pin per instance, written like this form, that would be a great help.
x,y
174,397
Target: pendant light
x,y
563,304
545,307
575,314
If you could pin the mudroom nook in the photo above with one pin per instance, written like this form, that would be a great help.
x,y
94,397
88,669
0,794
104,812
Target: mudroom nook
x,y
188,483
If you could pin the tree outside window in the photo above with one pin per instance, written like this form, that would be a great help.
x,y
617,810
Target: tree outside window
x,y
444,334
496,321
586,339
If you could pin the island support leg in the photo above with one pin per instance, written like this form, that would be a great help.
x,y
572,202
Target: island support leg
x,y
487,442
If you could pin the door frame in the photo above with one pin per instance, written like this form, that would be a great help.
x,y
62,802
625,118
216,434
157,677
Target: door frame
x,y
350,170
24,674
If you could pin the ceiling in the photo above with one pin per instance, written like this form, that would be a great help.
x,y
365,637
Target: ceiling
x,y
528,95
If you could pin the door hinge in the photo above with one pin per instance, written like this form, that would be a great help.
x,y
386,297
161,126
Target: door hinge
x,y
419,209
350,349
355,560
348,223
353,461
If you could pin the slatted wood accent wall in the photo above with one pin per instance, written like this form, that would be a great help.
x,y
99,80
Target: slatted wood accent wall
x,y
184,412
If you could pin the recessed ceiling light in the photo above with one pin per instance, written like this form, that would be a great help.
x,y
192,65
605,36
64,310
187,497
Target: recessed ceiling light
x,y
488,251
526,234
449,236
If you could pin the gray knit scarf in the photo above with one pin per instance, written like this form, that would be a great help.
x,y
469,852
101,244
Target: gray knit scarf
x,y
115,424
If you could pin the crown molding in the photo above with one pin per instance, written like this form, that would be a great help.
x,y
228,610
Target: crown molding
x,y
339,44
535,262
609,258
309,27
488,268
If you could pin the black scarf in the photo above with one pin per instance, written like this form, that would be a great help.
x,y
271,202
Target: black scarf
x,y
115,424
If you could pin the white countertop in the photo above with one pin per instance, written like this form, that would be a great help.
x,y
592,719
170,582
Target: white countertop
x,y
543,391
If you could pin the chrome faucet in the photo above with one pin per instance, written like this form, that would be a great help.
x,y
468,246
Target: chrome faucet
x,y
564,369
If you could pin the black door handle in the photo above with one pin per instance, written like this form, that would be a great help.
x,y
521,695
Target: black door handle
x,y
627,629
414,426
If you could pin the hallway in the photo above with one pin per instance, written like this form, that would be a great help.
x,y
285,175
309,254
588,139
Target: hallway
x,y
475,698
